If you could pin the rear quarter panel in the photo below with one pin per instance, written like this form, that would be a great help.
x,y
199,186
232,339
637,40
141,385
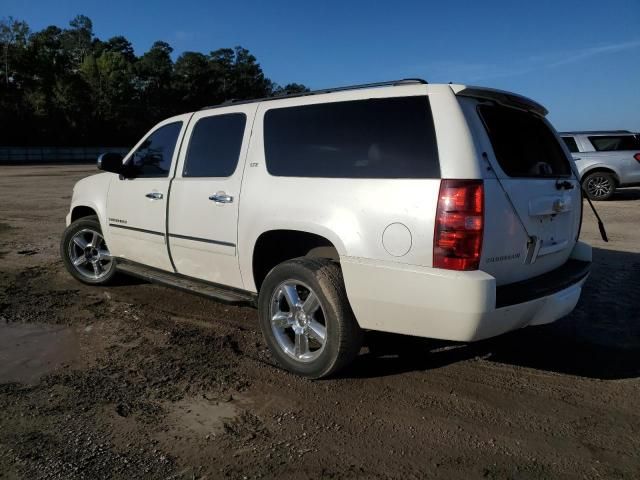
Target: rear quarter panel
x,y
351,213
587,161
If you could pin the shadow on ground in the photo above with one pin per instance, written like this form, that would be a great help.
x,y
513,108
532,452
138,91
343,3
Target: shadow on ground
x,y
626,194
599,339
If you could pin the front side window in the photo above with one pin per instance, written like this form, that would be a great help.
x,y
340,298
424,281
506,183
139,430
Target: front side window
x,y
615,143
523,143
374,138
153,157
214,147
571,144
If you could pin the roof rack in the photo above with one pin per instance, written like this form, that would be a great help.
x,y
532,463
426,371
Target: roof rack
x,y
404,81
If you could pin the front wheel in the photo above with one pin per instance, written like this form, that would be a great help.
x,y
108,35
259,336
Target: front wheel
x,y
85,253
306,319
599,185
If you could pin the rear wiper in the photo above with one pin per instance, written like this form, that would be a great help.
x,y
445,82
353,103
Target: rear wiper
x,y
603,232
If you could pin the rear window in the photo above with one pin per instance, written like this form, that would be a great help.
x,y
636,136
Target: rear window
x,y
615,143
374,138
523,143
571,144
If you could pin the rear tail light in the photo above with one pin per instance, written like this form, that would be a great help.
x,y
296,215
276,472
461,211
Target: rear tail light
x,y
637,157
459,225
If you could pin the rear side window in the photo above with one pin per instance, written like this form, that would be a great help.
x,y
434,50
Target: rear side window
x,y
615,143
571,144
214,147
523,143
374,138
153,157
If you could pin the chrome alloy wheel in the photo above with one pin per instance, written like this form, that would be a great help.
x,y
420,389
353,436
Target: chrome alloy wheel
x,y
599,186
89,254
298,321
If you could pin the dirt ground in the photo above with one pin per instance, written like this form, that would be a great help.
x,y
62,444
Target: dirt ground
x,y
141,381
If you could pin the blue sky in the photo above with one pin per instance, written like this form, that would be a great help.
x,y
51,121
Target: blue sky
x,y
581,59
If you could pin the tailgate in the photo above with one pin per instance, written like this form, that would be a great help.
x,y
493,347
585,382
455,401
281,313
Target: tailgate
x,y
533,201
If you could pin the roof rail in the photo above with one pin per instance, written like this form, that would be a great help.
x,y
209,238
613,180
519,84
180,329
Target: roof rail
x,y
596,132
404,81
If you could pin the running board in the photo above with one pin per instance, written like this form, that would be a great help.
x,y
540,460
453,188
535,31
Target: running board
x,y
220,293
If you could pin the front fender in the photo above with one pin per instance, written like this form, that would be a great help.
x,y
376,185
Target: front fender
x,y
92,192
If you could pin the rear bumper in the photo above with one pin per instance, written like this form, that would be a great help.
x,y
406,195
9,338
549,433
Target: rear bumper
x,y
461,306
545,285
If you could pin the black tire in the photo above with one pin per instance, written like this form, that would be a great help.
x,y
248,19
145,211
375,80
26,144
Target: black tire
x,y
86,224
599,185
343,336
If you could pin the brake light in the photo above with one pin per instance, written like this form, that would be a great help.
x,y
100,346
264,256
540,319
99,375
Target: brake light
x,y
637,157
457,240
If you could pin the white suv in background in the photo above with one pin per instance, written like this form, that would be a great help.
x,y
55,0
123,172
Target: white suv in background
x,y
605,160
440,211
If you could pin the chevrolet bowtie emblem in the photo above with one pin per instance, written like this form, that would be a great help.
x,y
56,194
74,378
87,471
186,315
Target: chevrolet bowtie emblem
x,y
558,205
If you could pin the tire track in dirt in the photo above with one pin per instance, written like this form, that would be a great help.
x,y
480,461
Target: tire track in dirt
x,y
170,385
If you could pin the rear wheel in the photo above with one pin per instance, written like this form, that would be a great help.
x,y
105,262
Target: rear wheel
x,y
306,318
599,185
85,253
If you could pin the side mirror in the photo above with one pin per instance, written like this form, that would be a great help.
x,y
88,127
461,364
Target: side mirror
x,y
111,162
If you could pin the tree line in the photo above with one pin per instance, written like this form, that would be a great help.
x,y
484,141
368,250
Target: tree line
x,y
66,87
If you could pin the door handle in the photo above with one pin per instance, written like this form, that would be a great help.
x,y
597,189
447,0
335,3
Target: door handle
x,y
221,197
564,185
154,195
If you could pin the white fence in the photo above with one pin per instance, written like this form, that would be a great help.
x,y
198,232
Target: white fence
x,y
17,155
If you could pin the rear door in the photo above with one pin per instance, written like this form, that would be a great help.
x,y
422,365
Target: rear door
x,y
533,201
205,195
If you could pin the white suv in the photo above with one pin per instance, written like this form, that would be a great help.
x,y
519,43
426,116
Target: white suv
x,y
439,211
605,160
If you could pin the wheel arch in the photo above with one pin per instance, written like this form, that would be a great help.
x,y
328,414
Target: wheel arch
x,y
80,211
600,168
275,246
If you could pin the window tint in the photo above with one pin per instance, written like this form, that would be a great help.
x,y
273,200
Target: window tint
x,y
614,143
214,147
153,157
571,144
523,144
375,138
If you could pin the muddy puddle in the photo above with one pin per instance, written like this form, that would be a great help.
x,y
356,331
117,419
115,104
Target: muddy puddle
x,y
203,416
28,351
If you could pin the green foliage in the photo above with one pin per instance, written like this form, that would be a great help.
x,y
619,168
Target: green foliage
x,y
290,89
64,86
